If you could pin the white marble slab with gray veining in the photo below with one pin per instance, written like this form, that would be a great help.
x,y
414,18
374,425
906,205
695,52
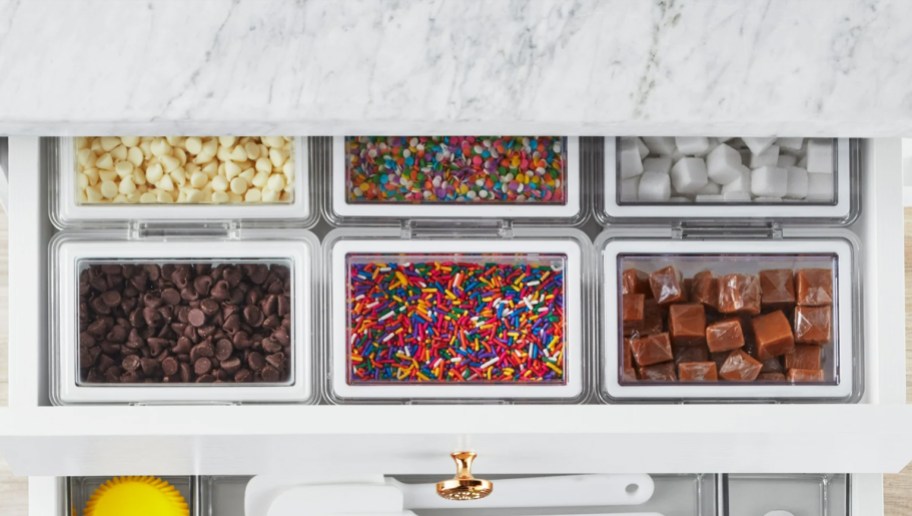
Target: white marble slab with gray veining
x,y
786,67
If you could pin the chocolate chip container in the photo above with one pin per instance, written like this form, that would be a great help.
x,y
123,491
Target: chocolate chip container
x,y
442,314
192,186
691,315
662,179
187,318
528,180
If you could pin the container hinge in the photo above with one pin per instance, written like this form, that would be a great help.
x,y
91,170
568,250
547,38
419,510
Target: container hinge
x,y
139,230
700,230
461,228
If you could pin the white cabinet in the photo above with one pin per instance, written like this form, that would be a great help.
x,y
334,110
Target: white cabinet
x,y
867,438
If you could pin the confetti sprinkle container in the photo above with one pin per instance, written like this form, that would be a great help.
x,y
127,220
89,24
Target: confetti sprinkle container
x,y
654,255
73,253
612,207
67,212
377,179
497,319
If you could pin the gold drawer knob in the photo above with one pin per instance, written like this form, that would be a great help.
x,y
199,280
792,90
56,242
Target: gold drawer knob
x,y
464,486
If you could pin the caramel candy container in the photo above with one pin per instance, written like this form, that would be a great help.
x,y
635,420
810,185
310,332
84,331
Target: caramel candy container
x,y
726,320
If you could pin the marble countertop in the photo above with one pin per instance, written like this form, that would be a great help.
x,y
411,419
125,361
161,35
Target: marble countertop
x,y
584,67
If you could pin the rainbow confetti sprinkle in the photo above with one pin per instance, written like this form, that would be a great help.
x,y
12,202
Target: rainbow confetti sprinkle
x,y
455,169
456,321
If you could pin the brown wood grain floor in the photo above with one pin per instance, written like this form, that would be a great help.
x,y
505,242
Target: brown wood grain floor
x,y
14,490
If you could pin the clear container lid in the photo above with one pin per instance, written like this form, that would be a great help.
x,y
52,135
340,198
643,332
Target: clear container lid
x,y
773,319
456,318
181,321
657,179
383,180
72,169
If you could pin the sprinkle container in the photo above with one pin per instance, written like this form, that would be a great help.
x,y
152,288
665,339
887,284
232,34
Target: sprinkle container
x,y
377,179
469,318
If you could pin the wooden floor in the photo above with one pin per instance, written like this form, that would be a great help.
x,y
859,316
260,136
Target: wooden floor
x,y
14,494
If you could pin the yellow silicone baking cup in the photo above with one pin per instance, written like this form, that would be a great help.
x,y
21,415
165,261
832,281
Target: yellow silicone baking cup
x,y
136,496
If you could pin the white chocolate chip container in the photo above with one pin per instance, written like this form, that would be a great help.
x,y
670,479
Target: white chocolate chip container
x,y
291,203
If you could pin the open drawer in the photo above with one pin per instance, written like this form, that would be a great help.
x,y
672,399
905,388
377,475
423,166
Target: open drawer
x,y
37,438
633,494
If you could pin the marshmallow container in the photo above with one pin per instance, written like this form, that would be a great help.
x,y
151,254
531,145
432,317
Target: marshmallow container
x,y
374,185
729,319
718,179
297,207
235,327
493,319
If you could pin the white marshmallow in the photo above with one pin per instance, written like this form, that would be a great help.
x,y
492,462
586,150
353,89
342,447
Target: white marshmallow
x,y
660,145
710,198
787,160
694,145
662,164
736,197
741,184
723,164
769,157
629,157
689,175
791,144
769,181
630,189
767,199
820,156
678,198
642,148
758,145
803,162
710,189
654,186
797,186
820,187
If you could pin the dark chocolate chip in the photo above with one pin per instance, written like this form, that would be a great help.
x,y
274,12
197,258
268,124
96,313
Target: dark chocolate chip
x,y
169,366
202,366
270,374
196,317
255,360
253,315
111,298
223,349
131,362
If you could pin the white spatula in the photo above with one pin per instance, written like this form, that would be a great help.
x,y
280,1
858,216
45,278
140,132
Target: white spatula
x,y
289,496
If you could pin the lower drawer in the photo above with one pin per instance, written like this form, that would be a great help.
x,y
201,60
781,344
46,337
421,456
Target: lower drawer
x,y
671,495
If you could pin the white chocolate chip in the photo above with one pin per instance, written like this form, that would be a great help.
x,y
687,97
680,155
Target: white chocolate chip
x,y
132,169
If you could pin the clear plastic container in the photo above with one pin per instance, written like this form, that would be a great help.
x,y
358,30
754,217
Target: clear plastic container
x,y
222,495
798,494
82,488
191,319
436,316
765,318
67,211
391,193
619,204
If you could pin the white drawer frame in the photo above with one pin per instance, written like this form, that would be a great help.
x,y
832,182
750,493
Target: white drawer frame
x,y
870,437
